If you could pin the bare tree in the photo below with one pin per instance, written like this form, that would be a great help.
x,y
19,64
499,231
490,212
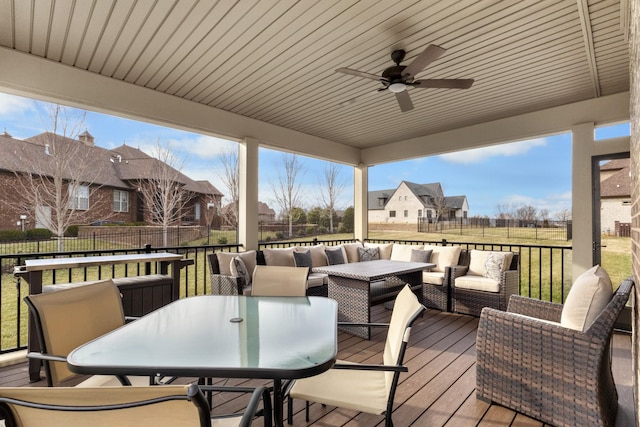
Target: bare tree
x,y
563,215
163,192
287,190
439,206
527,213
505,211
332,190
57,176
544,214
230,176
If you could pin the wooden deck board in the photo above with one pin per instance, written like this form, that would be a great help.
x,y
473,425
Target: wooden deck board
x,y
439,389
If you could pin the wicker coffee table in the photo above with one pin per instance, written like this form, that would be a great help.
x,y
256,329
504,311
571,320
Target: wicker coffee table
x,y
359,285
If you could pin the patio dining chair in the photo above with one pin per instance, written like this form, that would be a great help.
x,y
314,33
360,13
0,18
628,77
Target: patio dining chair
x,y
120,406
68,318
364,387
272,280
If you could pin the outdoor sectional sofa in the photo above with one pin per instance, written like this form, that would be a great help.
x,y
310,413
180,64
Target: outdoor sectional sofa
x,y
436,291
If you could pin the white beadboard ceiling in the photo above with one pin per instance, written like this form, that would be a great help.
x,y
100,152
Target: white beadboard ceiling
x,y
275,61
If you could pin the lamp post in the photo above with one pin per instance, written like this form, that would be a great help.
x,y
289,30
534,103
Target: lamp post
x,y
22,220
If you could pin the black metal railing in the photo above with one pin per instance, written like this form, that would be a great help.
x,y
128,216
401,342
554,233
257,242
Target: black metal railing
x,y
544,274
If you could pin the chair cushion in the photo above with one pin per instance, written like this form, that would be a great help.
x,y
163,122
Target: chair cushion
x,y
317,279
360,390
401,252
369,254
318,256
335,255
433,277
444,256
477,283
588,296
384,249
420,255
239,269
351,249
281,257
489,263
224,261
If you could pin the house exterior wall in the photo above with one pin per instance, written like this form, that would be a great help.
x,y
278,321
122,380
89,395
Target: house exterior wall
x,y
402,200
612,210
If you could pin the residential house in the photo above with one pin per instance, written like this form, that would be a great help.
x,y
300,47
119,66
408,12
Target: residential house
x,y
111,180
410,202
615,197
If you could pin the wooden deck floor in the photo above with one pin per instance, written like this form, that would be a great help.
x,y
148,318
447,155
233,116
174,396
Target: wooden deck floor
x,y
437,391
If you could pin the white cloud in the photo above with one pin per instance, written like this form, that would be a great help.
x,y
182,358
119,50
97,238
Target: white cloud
x,y
553,202
10,104
478,155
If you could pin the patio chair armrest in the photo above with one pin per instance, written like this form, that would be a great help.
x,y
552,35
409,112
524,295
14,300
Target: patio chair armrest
x,y
454,271
226,285
371,325
44,356
504,337
370,367
257,393
531,307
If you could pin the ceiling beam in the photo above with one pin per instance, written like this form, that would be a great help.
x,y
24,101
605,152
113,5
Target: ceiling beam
x,y
606,109
585,24
31,76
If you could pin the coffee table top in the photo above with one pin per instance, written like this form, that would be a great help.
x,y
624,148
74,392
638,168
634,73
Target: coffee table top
x,y
373,270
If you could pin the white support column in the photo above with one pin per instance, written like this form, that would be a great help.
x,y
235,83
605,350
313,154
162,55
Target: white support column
x,y
360,198
582,197
248,160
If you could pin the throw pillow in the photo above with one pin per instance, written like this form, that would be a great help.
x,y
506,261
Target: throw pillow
x,y
369,254
334,255
588,296
303,259
420,255
239,269
494,265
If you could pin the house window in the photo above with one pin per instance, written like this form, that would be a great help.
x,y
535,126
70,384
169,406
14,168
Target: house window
x,y
196,212
406,213
419,213
392,214
120,201
79,197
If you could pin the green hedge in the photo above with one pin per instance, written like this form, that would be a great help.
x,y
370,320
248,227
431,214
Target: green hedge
x,y
17,235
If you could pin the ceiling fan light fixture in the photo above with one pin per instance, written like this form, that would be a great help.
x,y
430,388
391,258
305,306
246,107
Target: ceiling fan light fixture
x,y
397,87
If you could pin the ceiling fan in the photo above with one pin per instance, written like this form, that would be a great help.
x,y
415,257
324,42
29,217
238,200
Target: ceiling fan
x,y
398,78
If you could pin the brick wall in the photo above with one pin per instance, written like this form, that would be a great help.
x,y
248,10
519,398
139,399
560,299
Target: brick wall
x,y
634,66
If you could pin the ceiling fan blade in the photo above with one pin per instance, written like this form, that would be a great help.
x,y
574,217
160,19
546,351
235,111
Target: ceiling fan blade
x,y
404,101
443,83
430,54
358,73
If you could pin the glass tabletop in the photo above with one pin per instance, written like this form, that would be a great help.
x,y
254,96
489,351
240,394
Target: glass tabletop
x,y
227,336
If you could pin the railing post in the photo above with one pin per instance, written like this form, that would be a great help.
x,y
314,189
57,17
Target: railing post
x,y
147,265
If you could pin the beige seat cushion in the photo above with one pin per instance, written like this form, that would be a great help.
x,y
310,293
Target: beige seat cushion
x,y
433,277
588,296
444,256
384,249
351,249
478,283
281,257
360,390
402,252
317,279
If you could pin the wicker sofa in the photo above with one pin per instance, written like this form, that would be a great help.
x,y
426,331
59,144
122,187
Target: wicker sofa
x,y
527,360
472,289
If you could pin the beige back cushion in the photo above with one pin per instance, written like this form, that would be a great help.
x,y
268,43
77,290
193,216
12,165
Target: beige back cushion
x,y
75,316
478,261
403,252
384,249
281,257
225,258
351,249
273,280
588,296
444,256
172,413
318,256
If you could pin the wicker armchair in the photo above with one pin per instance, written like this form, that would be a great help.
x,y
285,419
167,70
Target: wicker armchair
x,y
557,375
438,295
472,301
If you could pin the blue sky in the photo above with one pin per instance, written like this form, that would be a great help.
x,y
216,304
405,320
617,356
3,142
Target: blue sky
x,y
535,172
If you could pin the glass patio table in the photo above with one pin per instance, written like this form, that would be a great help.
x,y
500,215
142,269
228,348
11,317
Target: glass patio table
x,y
275,338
